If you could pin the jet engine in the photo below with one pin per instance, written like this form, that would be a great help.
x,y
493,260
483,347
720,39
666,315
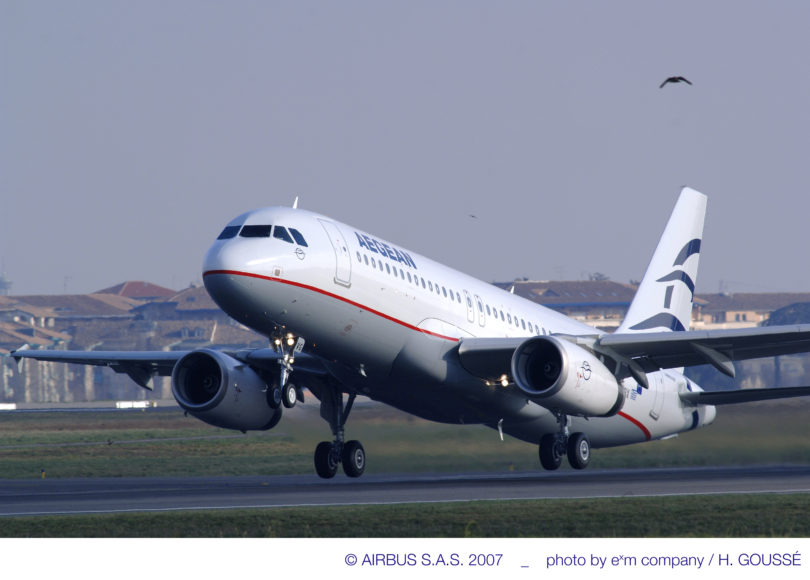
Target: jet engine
x,y
564,377
222,391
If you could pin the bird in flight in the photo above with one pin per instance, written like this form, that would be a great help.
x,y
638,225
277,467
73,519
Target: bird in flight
x,y
675,80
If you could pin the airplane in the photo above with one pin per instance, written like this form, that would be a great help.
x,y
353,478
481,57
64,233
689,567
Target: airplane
x,y
347,313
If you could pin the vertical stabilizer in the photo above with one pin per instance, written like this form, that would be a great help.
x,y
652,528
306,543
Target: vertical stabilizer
x,y
664,298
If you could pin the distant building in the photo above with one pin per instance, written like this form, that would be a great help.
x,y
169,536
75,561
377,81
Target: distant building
x,y
740,310
130,316
601,303
139,291
604,303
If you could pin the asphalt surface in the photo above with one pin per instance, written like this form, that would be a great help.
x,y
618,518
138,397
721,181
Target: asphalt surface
x,y
112,495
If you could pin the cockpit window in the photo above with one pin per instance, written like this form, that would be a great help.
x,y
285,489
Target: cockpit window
x,y
281,233
229,232
255,232
299,239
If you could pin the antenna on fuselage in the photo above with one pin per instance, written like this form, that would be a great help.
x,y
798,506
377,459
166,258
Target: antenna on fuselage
x,y
295,203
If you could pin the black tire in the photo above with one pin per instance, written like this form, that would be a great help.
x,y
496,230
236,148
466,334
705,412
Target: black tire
x,y
579,450
354,459
550,456
326,464
274,396
289,396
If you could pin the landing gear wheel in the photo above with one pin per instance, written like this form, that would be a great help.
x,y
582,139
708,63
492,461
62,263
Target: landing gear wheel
x,y
550,455
579,450
354,459
274,396
326,461
289,395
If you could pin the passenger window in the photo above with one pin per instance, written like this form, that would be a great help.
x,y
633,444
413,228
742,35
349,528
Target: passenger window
x,y
359,259
423,282
387,268
373,263
299,239
444,292
409,277
488,312
281,233
523,323
255,232
229,232
365,259
430,285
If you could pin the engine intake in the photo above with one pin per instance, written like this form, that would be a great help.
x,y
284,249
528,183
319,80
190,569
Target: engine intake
x,y
564,377
222,391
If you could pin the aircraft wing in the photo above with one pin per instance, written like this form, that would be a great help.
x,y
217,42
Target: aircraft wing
x,y
657,350
141,366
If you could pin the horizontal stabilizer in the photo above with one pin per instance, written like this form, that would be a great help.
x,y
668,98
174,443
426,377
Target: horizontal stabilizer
x,y
729,397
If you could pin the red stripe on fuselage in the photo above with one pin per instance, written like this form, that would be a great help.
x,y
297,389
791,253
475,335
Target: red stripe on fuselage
x,y
330,295
637,423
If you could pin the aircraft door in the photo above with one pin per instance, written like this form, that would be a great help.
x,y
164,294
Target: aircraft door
x,y
470,309
481,316
657,393
343,260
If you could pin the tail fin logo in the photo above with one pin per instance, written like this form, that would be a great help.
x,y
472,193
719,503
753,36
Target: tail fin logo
x,y
666,319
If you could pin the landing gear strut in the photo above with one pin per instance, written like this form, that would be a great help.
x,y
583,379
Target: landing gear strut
x,y
284,392
554,446
330,455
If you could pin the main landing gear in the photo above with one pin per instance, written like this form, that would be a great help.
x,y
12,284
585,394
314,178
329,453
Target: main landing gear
x,y
329,455
554,446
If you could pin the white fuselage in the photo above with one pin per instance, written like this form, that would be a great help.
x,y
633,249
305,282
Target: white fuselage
x,y
387,321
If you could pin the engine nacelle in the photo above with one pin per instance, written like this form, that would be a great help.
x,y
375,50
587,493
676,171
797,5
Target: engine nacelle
x,y
564,377
223,392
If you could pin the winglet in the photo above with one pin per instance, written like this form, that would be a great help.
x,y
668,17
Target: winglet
x,y
664,298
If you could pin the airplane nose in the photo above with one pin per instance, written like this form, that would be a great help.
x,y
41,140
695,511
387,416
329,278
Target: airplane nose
x,y
223,257
224,271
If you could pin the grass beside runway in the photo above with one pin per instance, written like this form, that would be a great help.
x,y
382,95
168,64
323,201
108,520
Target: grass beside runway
x,y
165,443
732,516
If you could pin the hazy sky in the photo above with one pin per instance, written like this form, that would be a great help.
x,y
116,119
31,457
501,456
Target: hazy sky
x,y
131,132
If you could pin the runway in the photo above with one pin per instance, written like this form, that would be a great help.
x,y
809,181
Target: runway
x,y
110,495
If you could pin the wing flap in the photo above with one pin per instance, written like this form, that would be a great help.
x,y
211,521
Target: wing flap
x,y
142,366
139,366
657,350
